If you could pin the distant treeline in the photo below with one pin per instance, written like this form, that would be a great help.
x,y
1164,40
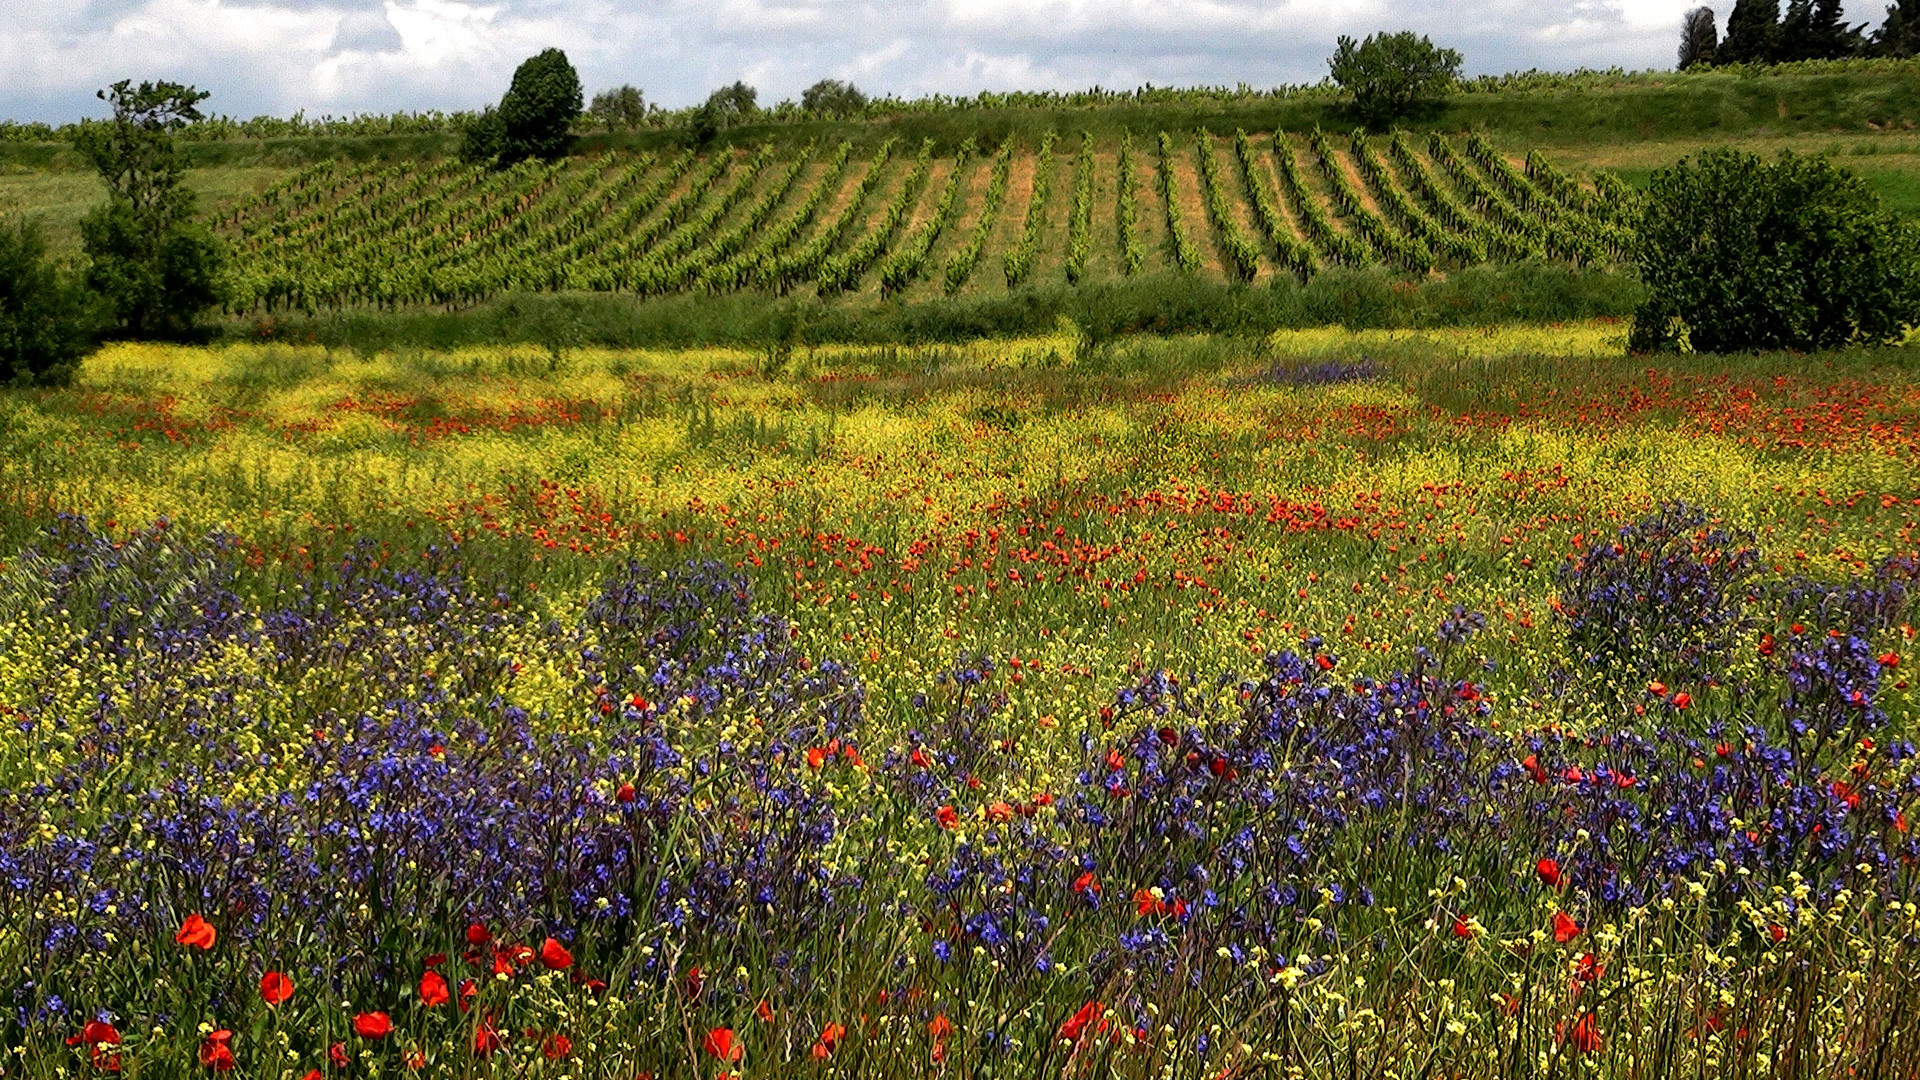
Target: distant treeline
x,y
1758,32
226,128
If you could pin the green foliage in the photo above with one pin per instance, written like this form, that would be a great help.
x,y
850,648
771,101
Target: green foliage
x,y
831,97
623,108
539,109
154,269
155,284
134,152
1393,75
1899,34
1740,255
1185,255
484,137
1149,303
1018,262
43,316
1753,32
1132,253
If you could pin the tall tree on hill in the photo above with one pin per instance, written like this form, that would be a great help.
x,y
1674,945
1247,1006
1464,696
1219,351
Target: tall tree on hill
x,y
1900,34
154,267
1794,40
1830,38
1816,30
1753,33
1698,38
535,118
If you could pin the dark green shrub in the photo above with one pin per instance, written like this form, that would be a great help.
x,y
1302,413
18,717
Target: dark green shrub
x,y
1393,75
535,118
44,319
1742,255
484,138
623,108
154,285
537,115
831,97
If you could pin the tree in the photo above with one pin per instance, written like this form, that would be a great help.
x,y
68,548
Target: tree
x,y
1698,38
155,269
1899,35
534,119
1393,75
734,104
724,108
622,108
1794,39
44,321
1739,254
1829,36
831,97
1753,32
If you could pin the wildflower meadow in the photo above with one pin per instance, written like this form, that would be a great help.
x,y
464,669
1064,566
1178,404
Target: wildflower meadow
x,y
1334,704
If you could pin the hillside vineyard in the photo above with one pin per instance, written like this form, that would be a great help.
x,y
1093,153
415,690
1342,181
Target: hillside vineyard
x,y
903,221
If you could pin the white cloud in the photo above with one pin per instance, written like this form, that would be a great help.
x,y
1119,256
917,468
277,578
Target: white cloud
x,y
276,56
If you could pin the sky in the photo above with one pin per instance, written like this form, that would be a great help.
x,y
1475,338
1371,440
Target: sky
x,y
337,57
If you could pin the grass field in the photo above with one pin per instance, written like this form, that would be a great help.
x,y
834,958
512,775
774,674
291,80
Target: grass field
x,y
1465,702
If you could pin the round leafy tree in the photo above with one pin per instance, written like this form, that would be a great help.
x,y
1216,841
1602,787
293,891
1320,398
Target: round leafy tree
x,y
1393,75
535,118
1739,254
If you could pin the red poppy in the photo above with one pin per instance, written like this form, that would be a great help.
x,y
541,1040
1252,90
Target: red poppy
x,y
555,955
215,1053
1583,1036
1682,699
337,1054
1531,763
1888,659
468,991
373,1025
1077,1023
816,757
1766,644
1657,689
720,1043
1777,932
195,933
830,1037
275,988
416,1060
312,1074
100,1038
1549,872
433,990
1589,970
1145,903
486,1039
626,793
434,960
946,817
477,934
1564,928
764,1011
556,1046
1086,884
1462,928
999,812
939,1027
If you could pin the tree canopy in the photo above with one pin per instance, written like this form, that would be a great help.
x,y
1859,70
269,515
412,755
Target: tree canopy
x,y
1393,75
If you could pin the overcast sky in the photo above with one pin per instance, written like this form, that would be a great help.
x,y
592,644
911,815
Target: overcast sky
x,y
341,56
